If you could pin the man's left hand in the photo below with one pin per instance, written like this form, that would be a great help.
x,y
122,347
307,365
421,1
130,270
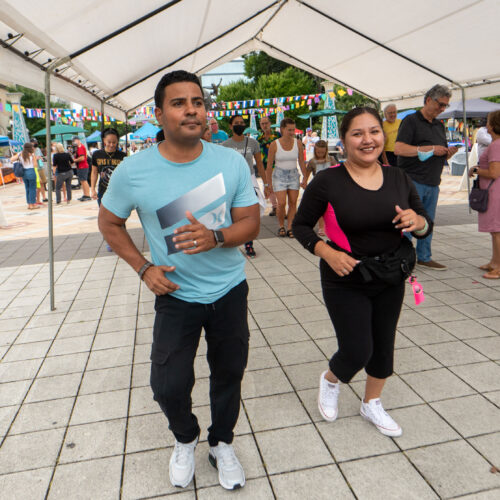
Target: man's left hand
x,y
194,238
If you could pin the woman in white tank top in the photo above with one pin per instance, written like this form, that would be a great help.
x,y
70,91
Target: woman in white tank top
x,y
284,180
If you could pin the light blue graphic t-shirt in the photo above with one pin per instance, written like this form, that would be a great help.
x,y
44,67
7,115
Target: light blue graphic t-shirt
x,y
161,191
219,137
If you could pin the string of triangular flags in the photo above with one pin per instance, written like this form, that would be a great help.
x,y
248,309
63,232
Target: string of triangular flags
x,y
65,115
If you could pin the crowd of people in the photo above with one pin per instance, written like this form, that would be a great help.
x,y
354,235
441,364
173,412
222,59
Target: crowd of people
x,y
197,196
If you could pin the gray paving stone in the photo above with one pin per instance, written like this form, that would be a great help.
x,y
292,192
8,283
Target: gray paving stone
x,y
61,386
454,468
292,448
453,353
482,376
274,318
148,432
27,351
61,365
494,397
285,334
386,477
483,495
71,345
28,484
300,301
319,329
318,483
43,415
7,414
353,438
266,305
114,339
13,393
19,370
327,346
492,323
489,446
37,334
109,358
443,313
261,357
264,383
489,346
434,385
467,329
30,451
413,359
421,426
272,412
145,474
426,334
306,375
103,406
478,310
298,352
452,297
142,402
98,478
108,379
90,441
77,329
462,414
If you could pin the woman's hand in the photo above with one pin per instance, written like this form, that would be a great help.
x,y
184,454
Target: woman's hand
x,y
473,171
342,263
408,220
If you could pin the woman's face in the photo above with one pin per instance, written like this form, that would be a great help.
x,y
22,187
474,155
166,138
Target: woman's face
x,y
110,142
320,152
288,131
364,140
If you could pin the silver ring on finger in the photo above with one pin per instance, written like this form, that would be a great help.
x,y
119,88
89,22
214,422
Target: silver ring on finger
x,y
195,244
345,271
410,223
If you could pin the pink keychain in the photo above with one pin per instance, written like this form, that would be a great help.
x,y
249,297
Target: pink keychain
x,y
418,291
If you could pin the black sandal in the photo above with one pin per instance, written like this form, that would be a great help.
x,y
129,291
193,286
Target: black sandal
x,y
289,233
281,232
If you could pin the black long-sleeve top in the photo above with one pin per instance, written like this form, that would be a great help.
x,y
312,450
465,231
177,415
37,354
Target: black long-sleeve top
x,y
357,220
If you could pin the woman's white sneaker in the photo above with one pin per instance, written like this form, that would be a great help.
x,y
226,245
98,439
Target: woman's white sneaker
x,y
328,398
223,458
181,468
374,412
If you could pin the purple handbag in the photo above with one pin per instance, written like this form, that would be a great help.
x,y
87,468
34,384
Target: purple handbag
x,y
478,198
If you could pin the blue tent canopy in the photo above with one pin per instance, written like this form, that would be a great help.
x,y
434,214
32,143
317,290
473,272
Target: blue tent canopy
x,y
148,130
5,141
94,137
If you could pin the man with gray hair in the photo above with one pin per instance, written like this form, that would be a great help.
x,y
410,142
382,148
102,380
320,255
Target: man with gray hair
x,y
422,150
391,126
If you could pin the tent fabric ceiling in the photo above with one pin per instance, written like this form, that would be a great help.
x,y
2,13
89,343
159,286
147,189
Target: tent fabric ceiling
x,y
389,51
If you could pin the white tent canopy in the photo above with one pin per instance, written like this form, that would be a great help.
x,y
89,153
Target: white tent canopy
x,y
118,50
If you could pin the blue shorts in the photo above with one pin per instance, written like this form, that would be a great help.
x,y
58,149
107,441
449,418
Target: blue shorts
x,y
283,180
82,174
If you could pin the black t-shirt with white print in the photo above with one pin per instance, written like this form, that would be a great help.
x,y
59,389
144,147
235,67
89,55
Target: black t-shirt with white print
x,y
106,163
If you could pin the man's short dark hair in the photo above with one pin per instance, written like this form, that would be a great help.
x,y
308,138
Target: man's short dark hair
x,y
169,79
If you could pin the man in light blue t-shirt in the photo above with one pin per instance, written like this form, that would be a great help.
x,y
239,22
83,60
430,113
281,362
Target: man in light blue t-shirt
x,y
218,136
197,204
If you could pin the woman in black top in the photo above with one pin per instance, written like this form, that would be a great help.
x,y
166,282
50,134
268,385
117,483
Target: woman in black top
x,y
62,165
104,161
367,209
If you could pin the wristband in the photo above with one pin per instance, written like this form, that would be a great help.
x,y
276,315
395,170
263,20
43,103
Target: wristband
x,y
143,269
422,231
266,185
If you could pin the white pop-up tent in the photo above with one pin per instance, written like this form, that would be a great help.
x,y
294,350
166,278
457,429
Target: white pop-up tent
x,y
110,55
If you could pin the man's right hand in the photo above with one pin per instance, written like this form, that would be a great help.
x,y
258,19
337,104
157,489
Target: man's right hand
x,y
93,194
155,279
440,150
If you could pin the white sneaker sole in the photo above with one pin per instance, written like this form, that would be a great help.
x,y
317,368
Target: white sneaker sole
x,y
382,430
225,485
320,408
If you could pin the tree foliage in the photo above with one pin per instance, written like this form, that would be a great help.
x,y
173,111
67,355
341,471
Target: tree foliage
x,y
259,63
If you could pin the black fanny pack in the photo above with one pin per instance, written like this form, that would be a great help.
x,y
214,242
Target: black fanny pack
x,y
392,267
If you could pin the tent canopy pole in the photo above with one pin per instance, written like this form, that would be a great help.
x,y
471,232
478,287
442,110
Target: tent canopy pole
x,y
48,144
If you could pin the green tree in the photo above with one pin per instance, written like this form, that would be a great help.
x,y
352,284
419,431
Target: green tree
x,y
240,90
34,99
259,63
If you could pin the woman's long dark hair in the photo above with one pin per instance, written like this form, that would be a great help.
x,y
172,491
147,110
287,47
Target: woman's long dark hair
x,y
28,150
349,117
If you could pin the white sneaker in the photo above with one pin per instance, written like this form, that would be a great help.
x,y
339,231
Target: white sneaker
x,y
223,458
328,398
181,468
374,412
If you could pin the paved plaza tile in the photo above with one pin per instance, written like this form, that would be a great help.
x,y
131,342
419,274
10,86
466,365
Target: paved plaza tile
x,y
77,418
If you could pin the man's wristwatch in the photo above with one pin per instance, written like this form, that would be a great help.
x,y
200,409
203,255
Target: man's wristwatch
x,y
219,238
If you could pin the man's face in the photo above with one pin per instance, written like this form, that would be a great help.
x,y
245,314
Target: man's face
x,y
434,107
76,143
214,127
182,115
391,114
309,132
265,125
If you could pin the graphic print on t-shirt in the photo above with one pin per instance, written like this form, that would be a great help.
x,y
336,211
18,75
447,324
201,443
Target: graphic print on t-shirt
x,y
195,200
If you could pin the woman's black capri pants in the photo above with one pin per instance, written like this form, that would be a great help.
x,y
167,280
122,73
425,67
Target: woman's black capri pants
x,y
365,317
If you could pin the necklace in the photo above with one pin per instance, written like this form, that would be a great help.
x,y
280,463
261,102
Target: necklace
x,y
110,156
